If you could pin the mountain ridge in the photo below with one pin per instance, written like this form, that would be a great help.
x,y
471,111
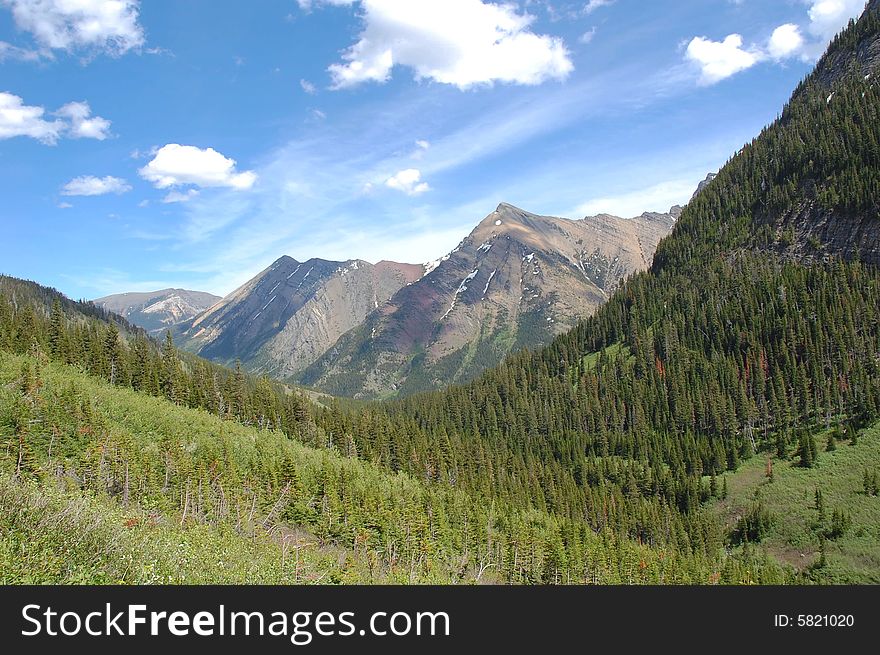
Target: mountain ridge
x,y
292,311
515,281
156,311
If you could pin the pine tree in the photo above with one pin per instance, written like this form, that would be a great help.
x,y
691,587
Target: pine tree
x,y
807,451
832,443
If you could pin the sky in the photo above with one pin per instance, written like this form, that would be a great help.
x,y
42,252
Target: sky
x,y
146,145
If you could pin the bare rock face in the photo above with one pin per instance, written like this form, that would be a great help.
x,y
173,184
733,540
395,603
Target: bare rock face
x,y
516,281
810,233
284,318
157,311
704,184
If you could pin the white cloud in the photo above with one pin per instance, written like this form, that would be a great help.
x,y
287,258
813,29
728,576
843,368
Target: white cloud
x,y
88,185
827,17
178,196
464,43
408,181
588,36
593,5
658,198
308,87
807,42
81,123
108,25
64,205
719,60
176,165
785,41
76,121
18,119
422,147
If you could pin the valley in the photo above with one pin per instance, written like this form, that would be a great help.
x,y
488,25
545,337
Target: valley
x,y
681,398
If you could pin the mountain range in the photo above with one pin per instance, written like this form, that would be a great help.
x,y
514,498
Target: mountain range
x,y
157,311
517,280
289,314
357,329
715,421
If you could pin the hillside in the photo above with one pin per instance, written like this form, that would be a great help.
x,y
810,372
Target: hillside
x,y
627,450
157,311
137,489
731,343
846,477
516,281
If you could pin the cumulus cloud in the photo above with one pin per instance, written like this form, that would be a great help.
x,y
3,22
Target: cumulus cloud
x,y
88,185
720,59
107,25
81,123
464,43
785,41
308,87
74,120
177,165
19,119
827,17
408,181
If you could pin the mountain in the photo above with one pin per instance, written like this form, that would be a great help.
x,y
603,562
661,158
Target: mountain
x,y
516,281
702,185
283,319
818,205
756,331
156,311
600,458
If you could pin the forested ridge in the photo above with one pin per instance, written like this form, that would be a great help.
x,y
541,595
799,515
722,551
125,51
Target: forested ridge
x,y
725,347
100,472
603,452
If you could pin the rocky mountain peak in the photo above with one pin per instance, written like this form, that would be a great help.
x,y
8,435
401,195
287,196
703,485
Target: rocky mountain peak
x,y
156,311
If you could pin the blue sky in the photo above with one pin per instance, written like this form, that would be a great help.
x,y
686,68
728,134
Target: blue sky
x,y
190,144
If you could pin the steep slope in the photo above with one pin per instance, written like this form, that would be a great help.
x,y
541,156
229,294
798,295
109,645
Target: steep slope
x,y
284,318
516,281
156,311
732,343
104,480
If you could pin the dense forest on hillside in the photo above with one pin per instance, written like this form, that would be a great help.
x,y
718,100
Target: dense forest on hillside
x,y
98,479
722,349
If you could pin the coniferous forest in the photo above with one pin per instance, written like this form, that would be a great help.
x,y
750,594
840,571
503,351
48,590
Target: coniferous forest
x,y
620,453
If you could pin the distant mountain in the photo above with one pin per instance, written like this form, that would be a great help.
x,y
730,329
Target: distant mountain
x,y
287,316
516,281
702,185
156,311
